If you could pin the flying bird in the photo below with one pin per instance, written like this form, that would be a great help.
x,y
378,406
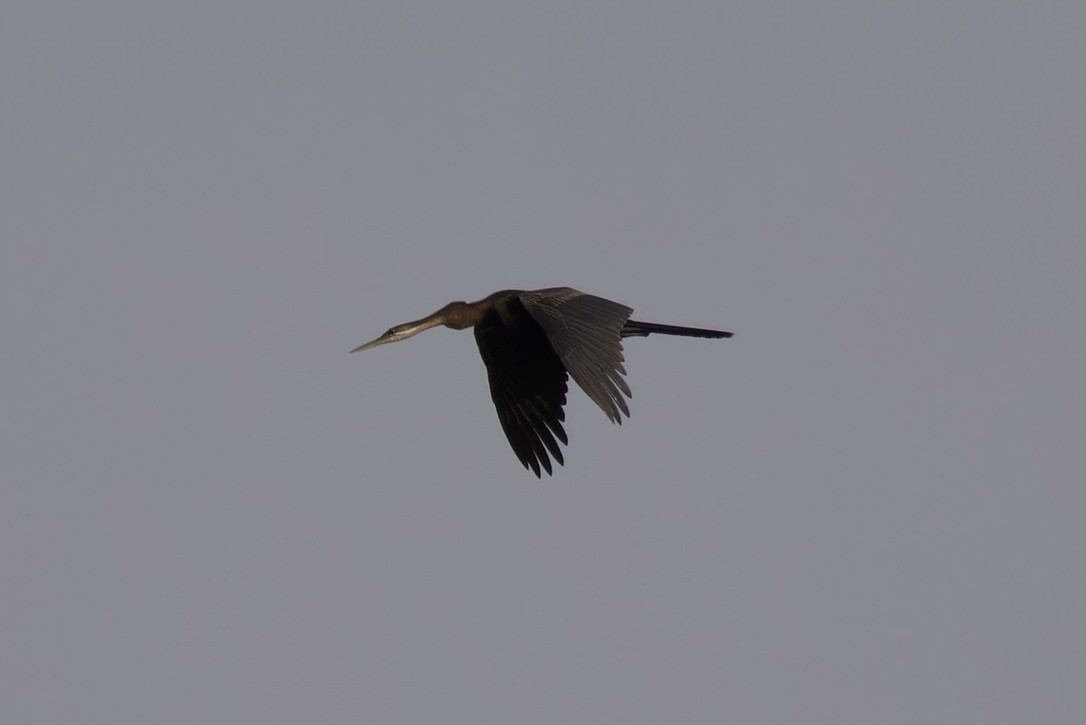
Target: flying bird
x,y
530,341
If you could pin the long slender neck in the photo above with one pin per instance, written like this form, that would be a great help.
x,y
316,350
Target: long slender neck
x,y
456,315
410,329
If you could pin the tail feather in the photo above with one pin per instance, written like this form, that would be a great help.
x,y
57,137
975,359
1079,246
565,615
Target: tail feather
x,y
634,328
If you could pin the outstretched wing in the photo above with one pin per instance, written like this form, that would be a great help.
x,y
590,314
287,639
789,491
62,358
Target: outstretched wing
x,y
586,333
527,384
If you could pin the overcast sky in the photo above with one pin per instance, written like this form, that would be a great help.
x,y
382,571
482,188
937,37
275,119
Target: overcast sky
x,y
866,507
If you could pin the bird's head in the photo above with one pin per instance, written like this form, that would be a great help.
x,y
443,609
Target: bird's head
x,y
393,334
450,315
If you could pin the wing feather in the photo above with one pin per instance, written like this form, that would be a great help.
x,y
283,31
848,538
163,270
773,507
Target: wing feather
x,y
586,333
527,384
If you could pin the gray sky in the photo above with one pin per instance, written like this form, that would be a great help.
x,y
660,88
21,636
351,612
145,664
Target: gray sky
x,y
865,508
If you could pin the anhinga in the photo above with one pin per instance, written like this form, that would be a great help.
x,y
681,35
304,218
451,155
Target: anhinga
x,y
529,341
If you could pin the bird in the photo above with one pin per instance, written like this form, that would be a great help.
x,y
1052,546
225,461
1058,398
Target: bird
x,y
530,340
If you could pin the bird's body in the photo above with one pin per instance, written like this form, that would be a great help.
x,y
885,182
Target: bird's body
x,y
530,341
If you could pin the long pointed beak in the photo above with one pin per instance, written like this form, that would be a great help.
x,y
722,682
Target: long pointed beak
x,y
374,343
402,332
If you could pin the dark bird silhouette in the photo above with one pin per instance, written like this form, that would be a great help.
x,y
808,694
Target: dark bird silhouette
x,y
529,341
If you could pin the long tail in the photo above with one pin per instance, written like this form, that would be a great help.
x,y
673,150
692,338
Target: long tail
x,y
633,328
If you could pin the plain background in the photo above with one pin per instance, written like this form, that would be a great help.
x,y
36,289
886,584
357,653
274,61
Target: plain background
x,y
865,508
